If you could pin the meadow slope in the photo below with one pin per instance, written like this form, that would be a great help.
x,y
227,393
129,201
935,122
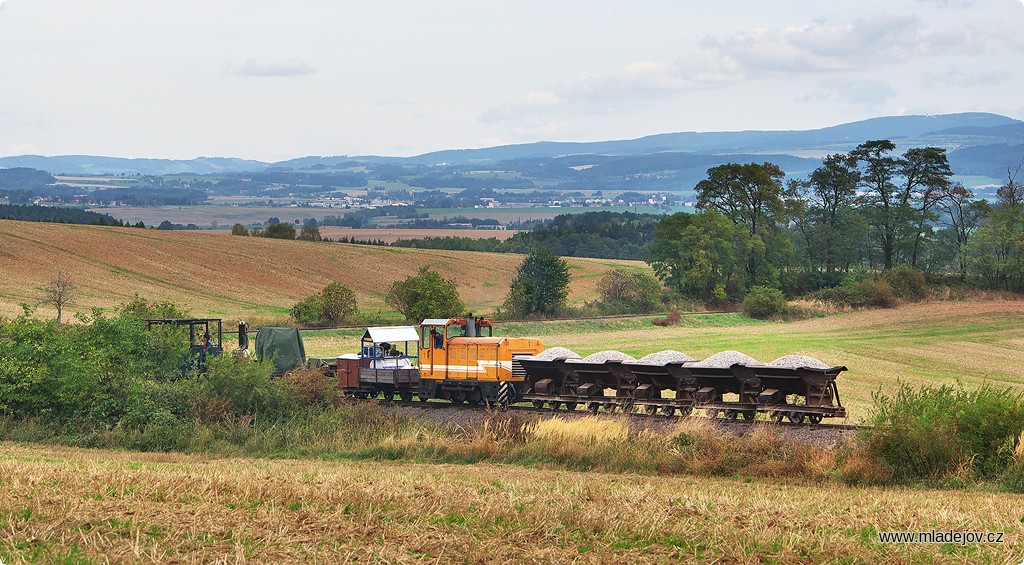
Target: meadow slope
x,y
216,274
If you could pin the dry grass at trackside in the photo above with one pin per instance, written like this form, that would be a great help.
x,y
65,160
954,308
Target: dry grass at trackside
x,y
72,505
219,275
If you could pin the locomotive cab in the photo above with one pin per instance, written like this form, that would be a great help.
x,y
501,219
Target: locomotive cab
x,y
462,361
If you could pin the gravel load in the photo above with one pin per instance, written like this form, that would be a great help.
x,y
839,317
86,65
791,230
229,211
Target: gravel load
x,y
726,359
664,357
608,355
556,353
794,361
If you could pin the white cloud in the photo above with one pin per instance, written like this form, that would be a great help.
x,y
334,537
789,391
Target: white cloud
x,y
395,101
22,149
288,68
821,47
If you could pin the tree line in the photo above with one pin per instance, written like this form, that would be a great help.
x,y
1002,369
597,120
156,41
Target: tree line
x,y
867,210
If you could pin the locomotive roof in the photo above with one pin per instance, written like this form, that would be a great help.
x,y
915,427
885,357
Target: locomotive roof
x,y
435,321
392,334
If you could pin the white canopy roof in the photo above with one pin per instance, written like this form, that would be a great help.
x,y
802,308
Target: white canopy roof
x,y
435,321
392,334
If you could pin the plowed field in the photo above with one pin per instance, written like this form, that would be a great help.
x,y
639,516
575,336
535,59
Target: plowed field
x,y
228,276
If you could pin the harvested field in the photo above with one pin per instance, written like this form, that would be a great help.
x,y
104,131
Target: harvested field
x,y
72,505
216,274
392,235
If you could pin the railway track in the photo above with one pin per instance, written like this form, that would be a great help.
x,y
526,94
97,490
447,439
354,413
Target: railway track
x,y
637,415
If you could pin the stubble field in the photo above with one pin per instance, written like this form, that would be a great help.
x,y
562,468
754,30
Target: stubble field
x,y
82,506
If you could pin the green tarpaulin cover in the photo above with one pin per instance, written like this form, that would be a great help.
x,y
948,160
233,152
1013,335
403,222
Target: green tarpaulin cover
x,y
283,345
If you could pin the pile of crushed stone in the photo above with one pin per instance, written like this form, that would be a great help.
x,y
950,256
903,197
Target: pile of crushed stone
x,y
664,358
556,353
726,359
795,361
607,355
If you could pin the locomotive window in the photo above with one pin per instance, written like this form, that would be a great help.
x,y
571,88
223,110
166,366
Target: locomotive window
x,y
455,331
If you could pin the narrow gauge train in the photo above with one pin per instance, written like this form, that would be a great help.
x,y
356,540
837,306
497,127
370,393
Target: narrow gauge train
x,y
459,359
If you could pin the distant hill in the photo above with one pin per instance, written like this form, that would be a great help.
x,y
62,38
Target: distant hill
x,y
969,133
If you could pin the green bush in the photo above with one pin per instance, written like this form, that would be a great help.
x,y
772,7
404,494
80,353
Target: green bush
x,y
242,386
629,292
907,282
280,231
92,372
859,294
938,433
426,295
336,304
764,302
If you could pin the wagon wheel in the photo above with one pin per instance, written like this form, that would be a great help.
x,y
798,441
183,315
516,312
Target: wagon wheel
x,y
650,409
405,395
731,415
538,404
749,414
796,417
686,410
593,407
555,405
778,416
814,418
668,410
570,406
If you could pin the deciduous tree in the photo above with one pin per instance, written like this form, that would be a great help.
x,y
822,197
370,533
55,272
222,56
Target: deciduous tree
x,y
426,295
541,285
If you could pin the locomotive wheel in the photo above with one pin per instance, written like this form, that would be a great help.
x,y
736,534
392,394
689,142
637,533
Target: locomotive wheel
x,y
778,416
796,417
405,395
457,399
538,404
555,405
650,409
473,399
668,410
423,398
570,406
749,414
609,406
686,410
731,415
814,418
593,407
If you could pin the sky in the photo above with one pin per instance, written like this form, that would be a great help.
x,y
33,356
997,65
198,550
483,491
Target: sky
x,y
273,80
